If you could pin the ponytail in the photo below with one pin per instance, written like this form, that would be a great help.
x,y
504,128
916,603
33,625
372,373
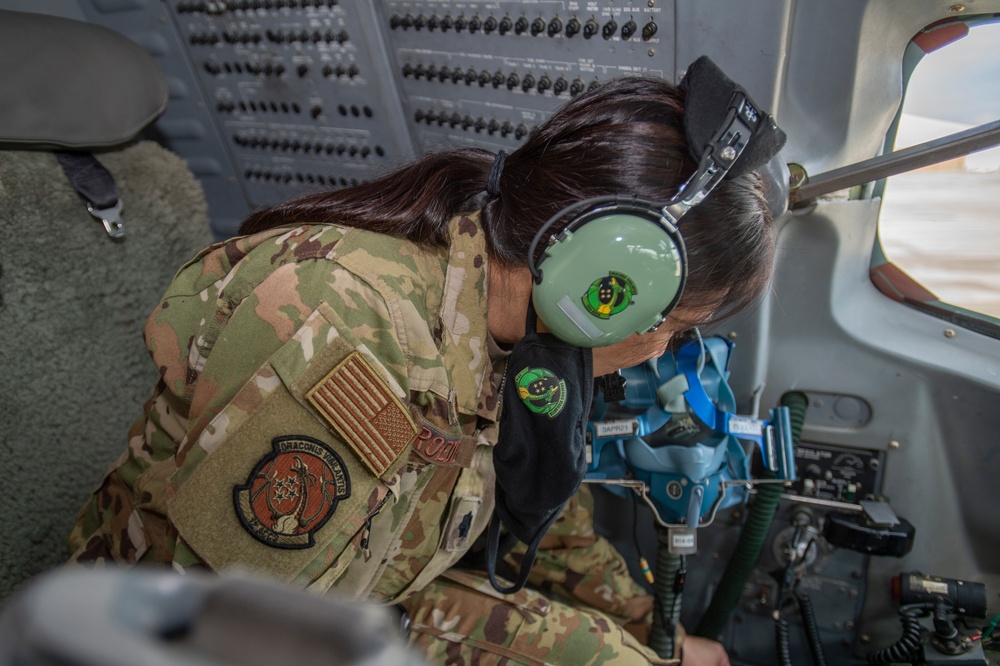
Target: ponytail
x,y
415,201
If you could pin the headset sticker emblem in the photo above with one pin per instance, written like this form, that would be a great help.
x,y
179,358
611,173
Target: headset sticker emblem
x,y
292,492
541,391
609,295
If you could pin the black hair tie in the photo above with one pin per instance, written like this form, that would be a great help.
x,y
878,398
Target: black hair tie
x,y
493,180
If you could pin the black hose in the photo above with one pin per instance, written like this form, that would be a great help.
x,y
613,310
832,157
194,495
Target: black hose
x,y
907,649
812,630
781,640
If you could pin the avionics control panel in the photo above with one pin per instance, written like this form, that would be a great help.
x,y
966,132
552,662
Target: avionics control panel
x,y
833,473
828,472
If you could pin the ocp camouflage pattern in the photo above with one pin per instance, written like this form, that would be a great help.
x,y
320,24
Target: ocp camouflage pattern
x,y
582,567
243,332
460,620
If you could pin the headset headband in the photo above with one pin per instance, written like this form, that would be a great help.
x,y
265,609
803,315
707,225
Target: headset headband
x,y
727,134
717,158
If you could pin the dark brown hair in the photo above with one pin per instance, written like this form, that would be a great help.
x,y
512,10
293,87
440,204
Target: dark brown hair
x,y
624,136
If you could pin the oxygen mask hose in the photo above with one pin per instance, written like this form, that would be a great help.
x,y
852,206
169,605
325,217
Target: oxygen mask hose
x,y
668,588
760,515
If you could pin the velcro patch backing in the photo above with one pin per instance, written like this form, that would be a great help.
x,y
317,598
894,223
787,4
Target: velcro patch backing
x,y
355,400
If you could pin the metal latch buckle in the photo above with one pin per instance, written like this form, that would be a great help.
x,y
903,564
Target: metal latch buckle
x,y
111,218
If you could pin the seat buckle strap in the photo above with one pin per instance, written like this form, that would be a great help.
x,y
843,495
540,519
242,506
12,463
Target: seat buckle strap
x,y
96,186
111,218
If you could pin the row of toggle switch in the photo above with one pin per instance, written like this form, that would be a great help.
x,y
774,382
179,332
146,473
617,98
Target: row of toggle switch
x,y
467,122
222,6
297,178
340,71
255,68
304,36
317,147
521,26
511,80
277,69
230,106
273,36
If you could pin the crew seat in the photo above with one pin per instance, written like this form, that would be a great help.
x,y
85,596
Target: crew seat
x,y
74,372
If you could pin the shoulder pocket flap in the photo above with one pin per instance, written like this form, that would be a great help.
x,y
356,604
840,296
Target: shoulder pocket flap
x,y
273,485
278,493
339,379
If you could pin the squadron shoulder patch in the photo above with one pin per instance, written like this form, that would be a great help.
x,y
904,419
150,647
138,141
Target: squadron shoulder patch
x,y
541,390
292,492
361,407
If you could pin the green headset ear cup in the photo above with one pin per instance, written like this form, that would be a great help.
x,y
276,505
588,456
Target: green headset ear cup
x,y
614,271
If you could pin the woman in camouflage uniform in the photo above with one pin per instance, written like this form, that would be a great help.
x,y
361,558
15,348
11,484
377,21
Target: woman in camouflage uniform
x,y
330,382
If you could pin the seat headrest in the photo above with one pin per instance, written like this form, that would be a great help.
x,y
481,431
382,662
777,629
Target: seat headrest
x,y
70,84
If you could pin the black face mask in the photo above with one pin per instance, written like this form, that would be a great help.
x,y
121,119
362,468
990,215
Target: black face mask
x,y
539,458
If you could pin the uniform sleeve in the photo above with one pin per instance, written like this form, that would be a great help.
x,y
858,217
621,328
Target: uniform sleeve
x,y
285,466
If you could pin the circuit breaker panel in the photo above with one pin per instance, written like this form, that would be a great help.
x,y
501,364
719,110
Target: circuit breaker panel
x,y
485,73
275,98
299,90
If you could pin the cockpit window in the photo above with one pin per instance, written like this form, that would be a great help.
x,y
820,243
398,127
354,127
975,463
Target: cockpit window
x,y
939,227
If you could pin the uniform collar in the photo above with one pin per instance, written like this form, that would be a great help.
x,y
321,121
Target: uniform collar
x,y
463,316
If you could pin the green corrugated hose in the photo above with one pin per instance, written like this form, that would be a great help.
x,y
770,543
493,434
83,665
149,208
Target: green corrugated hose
x,y
751,542
667,603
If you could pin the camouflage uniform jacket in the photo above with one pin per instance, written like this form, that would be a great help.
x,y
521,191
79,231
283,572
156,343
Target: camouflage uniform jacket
x,y
326,414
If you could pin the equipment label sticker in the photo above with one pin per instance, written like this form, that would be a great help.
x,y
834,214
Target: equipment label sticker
x,y
682,540
742,425
616,428
930,586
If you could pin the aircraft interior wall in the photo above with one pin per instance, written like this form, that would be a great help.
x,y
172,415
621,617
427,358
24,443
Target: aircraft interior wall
x,y
274,98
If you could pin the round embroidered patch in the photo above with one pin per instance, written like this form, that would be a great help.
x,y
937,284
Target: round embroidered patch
x,y
609,295
541,391
292,492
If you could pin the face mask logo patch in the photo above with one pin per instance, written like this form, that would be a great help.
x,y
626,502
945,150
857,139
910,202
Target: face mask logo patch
x,y
292,492
609,295
541,391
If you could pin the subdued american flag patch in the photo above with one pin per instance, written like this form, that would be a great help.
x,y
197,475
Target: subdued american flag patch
x,y
361,407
